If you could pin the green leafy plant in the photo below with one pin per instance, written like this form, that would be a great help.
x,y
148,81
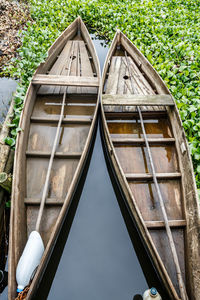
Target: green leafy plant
x,y
167,32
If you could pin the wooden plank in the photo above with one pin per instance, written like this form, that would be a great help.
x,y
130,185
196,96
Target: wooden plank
x,y
64,121
65,80
162,245
130,80
85,66
160,224
151,75
64,69
132,109
137,100
143,84
111,115
56,69
4,153
148,176
112,82
49,201
121,82
134,159
141,140
57,154
75,70
62,60
148,203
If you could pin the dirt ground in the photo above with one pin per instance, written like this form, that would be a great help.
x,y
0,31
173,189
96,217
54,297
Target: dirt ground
x,y
13,17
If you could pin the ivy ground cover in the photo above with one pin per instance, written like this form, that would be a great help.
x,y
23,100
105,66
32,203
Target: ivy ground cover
x,y
166,31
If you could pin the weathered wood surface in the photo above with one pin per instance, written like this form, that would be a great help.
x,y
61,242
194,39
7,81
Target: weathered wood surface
x,y
4,153
35,142
137,100
122,140
81,66
160,224
6,181
173,166
148,176
67,120
65,80
4,131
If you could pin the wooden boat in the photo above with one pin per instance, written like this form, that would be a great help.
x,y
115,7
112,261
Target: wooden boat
x,y
71,70
148,151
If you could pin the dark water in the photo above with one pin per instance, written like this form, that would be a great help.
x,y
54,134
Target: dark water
x,y
101,47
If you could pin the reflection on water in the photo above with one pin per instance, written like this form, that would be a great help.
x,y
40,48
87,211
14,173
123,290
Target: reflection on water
x,y
101,47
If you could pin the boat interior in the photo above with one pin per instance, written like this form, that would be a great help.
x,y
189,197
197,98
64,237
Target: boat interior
x,y
74,60
125,77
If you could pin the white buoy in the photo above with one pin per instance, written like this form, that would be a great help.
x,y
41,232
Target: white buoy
x,y
29,260
151,294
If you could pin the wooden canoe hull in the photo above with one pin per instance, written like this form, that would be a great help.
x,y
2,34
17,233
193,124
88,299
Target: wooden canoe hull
x,y
34,143
125,146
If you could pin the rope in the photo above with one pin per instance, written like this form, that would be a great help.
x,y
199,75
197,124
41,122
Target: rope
x,y
22,295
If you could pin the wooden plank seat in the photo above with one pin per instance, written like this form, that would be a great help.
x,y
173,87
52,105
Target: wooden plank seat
x,y
57,154
64,121
148,176
61,80
137,100
160,224
49,201
141,141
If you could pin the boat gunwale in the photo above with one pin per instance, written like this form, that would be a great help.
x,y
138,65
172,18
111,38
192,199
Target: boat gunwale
x,y
18,156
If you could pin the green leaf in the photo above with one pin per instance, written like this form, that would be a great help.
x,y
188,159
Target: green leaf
x,y
10,141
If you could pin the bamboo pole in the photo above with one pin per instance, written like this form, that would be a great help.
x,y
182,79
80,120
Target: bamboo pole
x,y
167,227
46,185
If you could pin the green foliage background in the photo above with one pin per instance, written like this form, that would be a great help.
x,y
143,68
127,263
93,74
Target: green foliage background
x,y
166,31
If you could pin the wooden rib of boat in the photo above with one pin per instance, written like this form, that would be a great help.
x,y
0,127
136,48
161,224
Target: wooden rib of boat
x,y
148,151
71,70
